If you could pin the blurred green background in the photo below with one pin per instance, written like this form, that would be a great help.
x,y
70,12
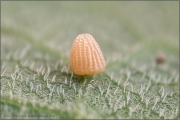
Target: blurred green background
x,y
130,35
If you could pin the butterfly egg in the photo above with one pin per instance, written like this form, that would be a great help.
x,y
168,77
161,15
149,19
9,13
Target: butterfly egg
x,y
86,57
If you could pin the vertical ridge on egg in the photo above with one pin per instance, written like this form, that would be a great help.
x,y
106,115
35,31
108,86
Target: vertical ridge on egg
x,y
86,57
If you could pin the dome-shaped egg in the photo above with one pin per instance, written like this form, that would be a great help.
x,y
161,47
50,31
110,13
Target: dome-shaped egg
x,y
86,57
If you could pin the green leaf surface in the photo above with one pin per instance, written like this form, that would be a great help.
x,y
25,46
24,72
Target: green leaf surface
x,y
38,83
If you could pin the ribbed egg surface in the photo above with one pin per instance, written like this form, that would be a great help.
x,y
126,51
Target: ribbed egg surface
x,y
86,57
